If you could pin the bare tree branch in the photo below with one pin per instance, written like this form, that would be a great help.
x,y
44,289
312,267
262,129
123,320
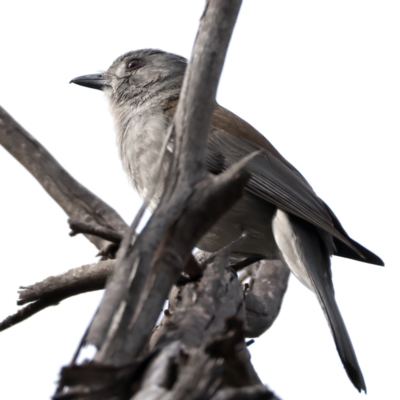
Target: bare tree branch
x,y
77,201
265,295
188,360
150,266
198,313
150,286
55,289
96,230
77,280
26,312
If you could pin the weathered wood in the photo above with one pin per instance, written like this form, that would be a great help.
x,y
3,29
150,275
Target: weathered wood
x,y
156,273
197,317
55,289
264,295
75,281
95,230
199,352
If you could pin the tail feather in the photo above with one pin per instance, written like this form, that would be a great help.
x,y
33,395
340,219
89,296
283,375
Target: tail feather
x,y
341,337
305,251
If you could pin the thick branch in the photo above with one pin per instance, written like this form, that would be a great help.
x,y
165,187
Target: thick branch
x,y
55,289
198,312
151,283
197,100
265,295
203,319
201,350
150,266
77,201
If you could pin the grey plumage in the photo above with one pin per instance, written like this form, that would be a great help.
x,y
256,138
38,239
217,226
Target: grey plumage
x,y
281,213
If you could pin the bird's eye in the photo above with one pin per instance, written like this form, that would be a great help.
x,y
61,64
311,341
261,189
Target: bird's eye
x,y
133,64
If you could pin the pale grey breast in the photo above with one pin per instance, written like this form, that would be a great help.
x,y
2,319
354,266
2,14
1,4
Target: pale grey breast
x,y
140,139
139,143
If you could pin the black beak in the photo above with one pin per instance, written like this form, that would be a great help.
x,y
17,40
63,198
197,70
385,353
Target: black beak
x,y
94,81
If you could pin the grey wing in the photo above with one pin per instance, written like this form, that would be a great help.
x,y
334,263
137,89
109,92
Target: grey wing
x,y
276,182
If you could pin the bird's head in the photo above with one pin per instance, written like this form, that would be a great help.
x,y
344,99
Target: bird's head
x,y
138,76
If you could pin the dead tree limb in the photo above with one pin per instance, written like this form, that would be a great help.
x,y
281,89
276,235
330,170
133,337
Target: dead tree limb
x,y
152,264
198,354
76,281
96,230
264,295
54,289
78,202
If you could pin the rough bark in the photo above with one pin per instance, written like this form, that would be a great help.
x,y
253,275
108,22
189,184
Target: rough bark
x,y
264,295
198,351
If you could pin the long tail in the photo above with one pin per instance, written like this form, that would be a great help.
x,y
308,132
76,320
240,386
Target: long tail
x,y
307,253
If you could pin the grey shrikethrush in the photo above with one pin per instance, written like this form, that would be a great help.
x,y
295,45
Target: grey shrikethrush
x,y
280,212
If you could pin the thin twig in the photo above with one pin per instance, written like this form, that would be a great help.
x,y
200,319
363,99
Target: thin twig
x,y
228,248
27,312
247,261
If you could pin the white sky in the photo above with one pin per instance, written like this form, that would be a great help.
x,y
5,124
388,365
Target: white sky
x,y
320,79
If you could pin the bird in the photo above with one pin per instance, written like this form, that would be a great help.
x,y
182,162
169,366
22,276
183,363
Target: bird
x,y
283,217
